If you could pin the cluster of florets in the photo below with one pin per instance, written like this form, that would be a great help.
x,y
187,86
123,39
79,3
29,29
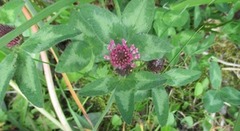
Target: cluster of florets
x,y
122,56
4,29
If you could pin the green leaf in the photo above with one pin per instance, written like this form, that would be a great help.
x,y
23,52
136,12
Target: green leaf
x,y
98,87
150,47
187,36
205,44
3,116
197,17
206,125
124,97
191,3
162,29
116,121
98,47
97,22
237,123
175,18
215,74
230,95
75,57
141,95
147,80
85,1
212,101
7,69
181,77
139,15
168,128
161,103
27,79
205,83
2,55
232,30
10,11
198,89
44,13
49,36
188,120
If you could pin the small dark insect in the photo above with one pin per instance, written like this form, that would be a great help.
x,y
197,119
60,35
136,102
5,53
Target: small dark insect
x,y
4,29
155,65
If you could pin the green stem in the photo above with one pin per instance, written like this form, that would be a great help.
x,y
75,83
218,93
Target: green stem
x,y
109,104
44,62
117,8
69,106
38,17
42,110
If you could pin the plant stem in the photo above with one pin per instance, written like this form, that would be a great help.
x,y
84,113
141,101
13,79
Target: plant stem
x,y
225,63
117,7
41,110
73,93
109,104
68,104
52,93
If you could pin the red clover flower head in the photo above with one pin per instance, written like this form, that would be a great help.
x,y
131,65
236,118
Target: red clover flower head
x,y
122,56
4,29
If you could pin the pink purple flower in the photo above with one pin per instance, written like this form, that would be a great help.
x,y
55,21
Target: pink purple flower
x,y
4,29
121,56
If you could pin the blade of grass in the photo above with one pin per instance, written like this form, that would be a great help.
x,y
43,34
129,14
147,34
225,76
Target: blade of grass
x,y
73,93
178,53
69,106
109,104
41,110
191,3
41,15
237,123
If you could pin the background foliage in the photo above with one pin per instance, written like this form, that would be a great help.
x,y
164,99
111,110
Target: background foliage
x,y
197,88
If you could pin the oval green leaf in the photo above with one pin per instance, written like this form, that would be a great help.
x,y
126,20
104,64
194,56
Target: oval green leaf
x,y
148,80
139,15
124,97
181,77
125,103
212,101
75,57
230,95
27,79
150,47
215,75
176,18
7,69
161,103
94,21
198,89
49,36
98,87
